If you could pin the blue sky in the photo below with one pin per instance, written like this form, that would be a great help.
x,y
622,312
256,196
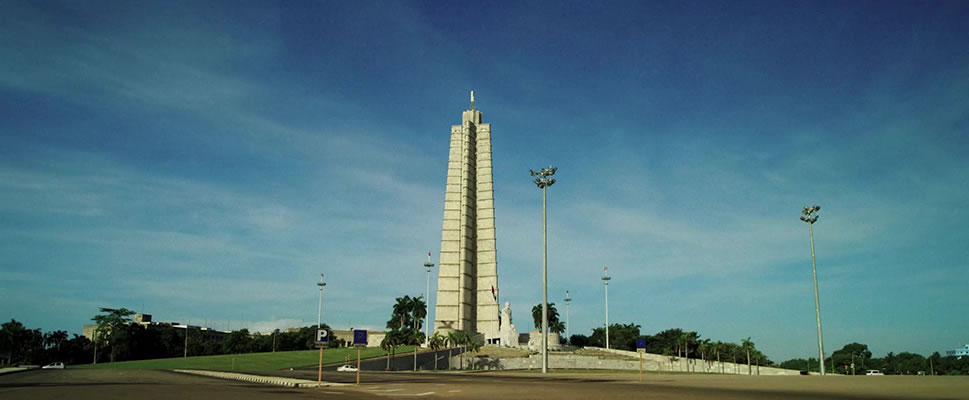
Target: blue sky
x,y
204,162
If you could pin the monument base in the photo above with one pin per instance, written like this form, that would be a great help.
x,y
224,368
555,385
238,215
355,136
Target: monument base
x,y
535,341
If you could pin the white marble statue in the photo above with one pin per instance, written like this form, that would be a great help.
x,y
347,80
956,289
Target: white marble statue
x,y
508,335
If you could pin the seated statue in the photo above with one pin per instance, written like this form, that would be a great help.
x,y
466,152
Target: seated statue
x,y
507,335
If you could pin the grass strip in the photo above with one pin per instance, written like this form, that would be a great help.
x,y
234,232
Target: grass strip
x,y
252,361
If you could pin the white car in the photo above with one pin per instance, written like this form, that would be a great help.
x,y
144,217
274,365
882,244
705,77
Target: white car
x,y
874,372
54,365
346,368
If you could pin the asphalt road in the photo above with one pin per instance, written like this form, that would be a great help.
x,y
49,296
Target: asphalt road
x,y
148,385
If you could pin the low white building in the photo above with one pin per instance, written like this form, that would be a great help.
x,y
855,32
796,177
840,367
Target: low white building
x,y
959,353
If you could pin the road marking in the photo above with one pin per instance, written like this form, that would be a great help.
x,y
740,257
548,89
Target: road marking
x,y
332,392
382,390
405,394
454,390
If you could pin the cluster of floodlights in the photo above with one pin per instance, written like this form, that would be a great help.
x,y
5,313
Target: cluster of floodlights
x,y
809,214
544,180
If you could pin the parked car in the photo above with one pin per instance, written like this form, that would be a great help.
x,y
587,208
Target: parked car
x,y
347,368
54,365
874,372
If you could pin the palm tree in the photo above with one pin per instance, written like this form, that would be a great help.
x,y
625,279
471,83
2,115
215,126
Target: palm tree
x,y
401,313
716,349
385,344
451,339
553,317
389,344
463,338
747,346
703,346
685,346
55,338
759,358
466,340
470,343
436,343
668,352
417,337
419,310
732,350
558,327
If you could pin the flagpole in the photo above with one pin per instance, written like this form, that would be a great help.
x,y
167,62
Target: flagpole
x,y
427,303
497,297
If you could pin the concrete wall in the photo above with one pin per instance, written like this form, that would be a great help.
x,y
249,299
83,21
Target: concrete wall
x,y
651,362
405,361
696,365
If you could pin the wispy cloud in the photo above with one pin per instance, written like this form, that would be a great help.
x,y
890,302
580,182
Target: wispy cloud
x,y
141,58
205,165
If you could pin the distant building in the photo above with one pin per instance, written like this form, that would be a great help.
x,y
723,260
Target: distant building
x,y
959,353
145,321
373,337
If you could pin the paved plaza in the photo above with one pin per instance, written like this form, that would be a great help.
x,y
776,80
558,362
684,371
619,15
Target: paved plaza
x,y
78,384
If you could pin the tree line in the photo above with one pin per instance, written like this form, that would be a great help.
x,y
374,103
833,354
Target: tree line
x,y
119,339
904,363
19,344
676,343
671,342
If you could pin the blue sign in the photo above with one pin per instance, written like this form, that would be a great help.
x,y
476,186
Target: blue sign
x,y
641,343
322,336
360,337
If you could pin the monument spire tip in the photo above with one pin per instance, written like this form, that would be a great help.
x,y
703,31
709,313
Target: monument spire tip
x,y
472,99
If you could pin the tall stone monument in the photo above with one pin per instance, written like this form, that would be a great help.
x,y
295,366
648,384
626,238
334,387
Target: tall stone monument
x,y
467,280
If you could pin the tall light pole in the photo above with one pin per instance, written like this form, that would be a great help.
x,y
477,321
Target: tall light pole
x,y
427,310
188,329
543,182
567,301
605,280
810,216
319,313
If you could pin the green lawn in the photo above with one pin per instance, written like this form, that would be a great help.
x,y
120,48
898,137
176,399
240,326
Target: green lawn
x,y
252,361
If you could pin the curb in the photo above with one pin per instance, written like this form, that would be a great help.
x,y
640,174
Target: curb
x,y
8,371
269,380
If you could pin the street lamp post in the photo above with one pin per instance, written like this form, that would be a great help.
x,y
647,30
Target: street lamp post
x,y
567,325
319,313
188,329
543,181
427,311
810,216
605,280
